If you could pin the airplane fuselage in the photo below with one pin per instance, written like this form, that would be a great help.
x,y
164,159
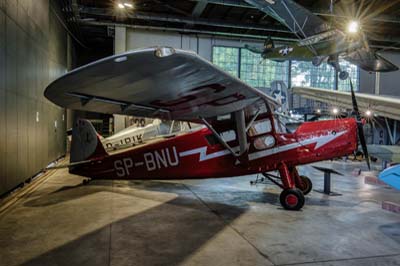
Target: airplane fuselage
x,y
332,47
196,155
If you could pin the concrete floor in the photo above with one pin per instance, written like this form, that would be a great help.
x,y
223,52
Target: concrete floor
x,y
199,222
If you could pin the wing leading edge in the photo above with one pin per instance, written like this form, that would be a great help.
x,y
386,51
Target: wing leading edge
x,y
370,61
380,105
158,82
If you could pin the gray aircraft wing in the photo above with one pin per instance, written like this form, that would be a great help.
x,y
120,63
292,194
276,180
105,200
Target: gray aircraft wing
x,y
298,19
385,152
381,105
157,82
370,61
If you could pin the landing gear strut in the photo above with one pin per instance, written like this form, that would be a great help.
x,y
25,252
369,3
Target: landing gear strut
x,y
292,197
334,62
293,186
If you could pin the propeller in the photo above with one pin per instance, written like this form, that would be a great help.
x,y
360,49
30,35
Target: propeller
x,y
360,126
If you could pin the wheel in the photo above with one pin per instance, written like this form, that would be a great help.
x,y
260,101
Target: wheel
x,y
292,199
359,156
343,75
317,61
307,184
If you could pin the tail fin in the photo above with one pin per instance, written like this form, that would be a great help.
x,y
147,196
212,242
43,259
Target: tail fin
x,y
86,143
269,43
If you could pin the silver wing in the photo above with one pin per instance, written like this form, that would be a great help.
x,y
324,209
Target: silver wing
x,y
381,105
158,82
370,61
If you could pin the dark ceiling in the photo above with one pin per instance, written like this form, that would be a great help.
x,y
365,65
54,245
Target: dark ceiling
x,y
92,21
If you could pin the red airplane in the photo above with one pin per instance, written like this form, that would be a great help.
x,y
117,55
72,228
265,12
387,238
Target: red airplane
x,y
242,135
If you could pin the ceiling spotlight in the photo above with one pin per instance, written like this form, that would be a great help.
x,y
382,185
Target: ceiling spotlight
x,y
353,27
128,5
368,113
335,111
318,111
121,6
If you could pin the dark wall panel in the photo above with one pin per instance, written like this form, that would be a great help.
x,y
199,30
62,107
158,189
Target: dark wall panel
x,y
33,52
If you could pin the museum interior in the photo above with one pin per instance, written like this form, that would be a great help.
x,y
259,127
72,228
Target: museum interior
x,y
199,132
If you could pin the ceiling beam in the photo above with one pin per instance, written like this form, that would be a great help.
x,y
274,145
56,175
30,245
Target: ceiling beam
x,y
187,30
207,32
199,8
103,12
187,20
316,11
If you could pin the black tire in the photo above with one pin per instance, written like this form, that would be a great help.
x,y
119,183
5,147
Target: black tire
x,y
307,184
343,75
292,199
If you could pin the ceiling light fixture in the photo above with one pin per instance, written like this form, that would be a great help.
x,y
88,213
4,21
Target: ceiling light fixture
x,y
128,5
353,27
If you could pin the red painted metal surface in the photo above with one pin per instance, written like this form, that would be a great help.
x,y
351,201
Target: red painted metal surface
x,y
192,156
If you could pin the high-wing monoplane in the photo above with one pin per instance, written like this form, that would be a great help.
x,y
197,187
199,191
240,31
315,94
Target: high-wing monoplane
x,y
242,135
318,41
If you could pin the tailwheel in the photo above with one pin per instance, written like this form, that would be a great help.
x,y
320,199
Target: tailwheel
x,y
306,184
343,75
292,199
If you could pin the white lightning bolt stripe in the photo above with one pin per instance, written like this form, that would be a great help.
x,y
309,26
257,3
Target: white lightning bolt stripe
x,y
203,153
321,141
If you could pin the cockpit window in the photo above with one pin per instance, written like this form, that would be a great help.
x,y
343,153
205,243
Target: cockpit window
x,y
260,127
264,142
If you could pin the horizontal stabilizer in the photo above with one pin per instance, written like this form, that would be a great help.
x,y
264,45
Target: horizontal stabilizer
x,y
370,61
69,165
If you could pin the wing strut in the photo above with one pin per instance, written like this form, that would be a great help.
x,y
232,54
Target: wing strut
x,y
241,130
223,143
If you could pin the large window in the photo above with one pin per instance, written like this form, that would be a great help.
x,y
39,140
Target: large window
x,y
226,58
260,73
306,74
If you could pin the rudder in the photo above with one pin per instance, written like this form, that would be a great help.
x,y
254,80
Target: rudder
x,y
85,143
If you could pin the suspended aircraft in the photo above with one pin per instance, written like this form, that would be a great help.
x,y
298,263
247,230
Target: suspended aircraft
x,y
318,41
241,134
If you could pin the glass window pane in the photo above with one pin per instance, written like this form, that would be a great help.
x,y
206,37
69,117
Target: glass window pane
x,y
264,142
227,58
306,74
260,73
260,127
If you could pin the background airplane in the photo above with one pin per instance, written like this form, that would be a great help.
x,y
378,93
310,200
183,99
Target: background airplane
x,y
135,135
319,41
